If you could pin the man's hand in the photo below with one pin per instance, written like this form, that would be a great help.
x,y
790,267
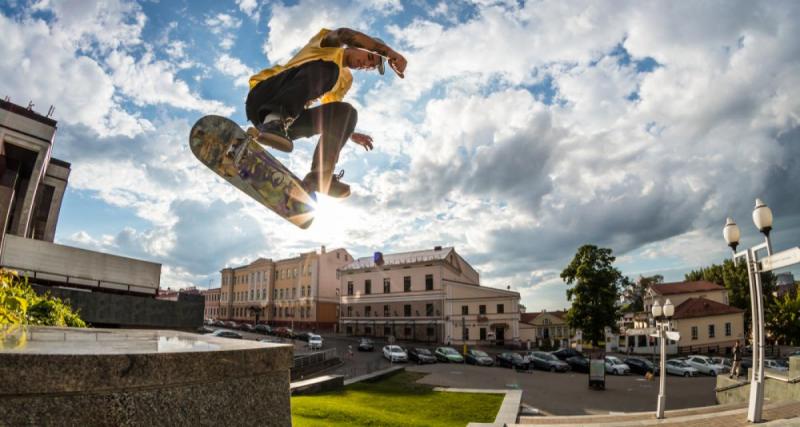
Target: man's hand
x,y
362,140
398,63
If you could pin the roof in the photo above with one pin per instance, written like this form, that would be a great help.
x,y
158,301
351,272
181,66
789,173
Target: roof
x,y
401,258
686,287
26,112
701,307
530,317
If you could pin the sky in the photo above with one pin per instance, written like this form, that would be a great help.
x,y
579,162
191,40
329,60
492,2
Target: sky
x,y
521,131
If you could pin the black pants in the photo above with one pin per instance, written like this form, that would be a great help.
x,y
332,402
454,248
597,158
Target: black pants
x,y
287,93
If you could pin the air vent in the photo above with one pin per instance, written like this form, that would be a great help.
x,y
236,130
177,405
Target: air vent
x,y
437,248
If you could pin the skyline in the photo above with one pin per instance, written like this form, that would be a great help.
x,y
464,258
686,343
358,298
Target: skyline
x,y
521,131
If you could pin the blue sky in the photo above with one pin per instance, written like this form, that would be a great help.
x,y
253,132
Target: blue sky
x,y
521,131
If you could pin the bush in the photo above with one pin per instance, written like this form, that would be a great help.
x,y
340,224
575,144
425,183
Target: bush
x,y
21,305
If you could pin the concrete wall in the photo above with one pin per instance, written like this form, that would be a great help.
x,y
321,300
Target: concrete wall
x,y
100,308
731,391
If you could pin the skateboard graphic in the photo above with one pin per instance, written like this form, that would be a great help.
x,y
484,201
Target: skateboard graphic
x,y
226,149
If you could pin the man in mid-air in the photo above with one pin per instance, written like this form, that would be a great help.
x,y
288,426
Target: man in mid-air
x,y
280,100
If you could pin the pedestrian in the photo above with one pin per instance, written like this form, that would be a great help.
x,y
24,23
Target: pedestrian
x,y
737,361
281,98
350,351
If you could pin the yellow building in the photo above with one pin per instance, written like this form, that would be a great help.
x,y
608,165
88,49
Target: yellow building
x,y
545,329
299,292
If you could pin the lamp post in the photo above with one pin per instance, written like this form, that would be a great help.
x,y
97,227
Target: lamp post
x,y
662,316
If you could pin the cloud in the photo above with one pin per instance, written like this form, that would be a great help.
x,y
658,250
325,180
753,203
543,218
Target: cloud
x,y
233,67
224,26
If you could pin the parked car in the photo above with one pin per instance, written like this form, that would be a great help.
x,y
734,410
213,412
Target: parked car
x,y
776,365
231,324
566,353
547,362
421,355
641,366
679,367
615,366
724,361
218,323
395,353
264,329
303,336
314,341
365,344
477,357
204,330
226,334
512,360
448,354
284,332
247,327
704,365
275,340
578,363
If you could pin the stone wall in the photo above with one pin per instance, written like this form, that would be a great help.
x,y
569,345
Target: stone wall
x,y
775,390
117,310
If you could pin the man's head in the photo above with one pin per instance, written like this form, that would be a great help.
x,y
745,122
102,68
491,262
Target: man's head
x,y
359,59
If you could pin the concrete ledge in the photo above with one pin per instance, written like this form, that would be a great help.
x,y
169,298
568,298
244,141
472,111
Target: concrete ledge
x,y
375,375
508,409
317,385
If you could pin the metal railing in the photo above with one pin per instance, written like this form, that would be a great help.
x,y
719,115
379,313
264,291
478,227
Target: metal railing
x,y
316,358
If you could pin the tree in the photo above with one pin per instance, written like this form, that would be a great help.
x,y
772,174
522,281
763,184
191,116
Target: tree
x,y
733,276
594,291
633,292
783,319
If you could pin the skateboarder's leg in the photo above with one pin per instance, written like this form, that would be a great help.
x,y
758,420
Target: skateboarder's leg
x,y
334,122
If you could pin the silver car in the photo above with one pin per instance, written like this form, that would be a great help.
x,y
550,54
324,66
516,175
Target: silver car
x,y
705,365
679,367
395,353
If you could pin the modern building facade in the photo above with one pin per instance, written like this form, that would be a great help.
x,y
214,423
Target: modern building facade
x,y
299,292
428,295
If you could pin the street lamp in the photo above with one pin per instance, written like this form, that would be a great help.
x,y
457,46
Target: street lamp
x,y
762,218
662,316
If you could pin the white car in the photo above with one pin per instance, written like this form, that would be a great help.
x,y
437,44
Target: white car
x,y
775,365
314,342
616,367
680,367
705,365
395,353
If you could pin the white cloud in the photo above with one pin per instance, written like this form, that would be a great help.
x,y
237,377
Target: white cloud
x,y
233,67
249,8
224,25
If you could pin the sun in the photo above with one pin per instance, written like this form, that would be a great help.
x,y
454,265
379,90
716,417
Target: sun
x,y
333,218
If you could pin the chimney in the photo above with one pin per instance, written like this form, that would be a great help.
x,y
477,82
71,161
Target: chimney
x,y
323,249
437,248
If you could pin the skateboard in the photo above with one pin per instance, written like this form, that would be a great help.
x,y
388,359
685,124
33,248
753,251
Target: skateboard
x,y
231,153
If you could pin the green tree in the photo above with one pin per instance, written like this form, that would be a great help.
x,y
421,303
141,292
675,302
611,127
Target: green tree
x,y
593,290
21,305
633,292
783,319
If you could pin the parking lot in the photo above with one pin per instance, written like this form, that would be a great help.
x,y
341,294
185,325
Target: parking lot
x,y
552,393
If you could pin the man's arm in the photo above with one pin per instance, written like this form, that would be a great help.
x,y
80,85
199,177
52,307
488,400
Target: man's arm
x,y
353,38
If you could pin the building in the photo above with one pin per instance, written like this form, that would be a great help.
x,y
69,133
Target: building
x,y
299,292
547,329
108,290
705,321
211,297
428,295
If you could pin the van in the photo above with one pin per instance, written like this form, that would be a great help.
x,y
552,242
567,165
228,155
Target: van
x,y
314,342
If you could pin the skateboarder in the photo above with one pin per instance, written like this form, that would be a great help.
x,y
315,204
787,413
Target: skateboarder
x,y
280,96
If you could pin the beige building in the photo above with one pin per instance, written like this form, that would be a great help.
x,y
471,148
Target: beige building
x,y
428,295
705,321
211,310
545,329
299,292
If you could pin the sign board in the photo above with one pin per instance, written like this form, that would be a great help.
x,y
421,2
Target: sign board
x,y
781,259
674,335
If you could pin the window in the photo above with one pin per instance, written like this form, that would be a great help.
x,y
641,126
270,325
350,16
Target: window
x,y
481,310
483,334
407,310
407,331
387,286
711,331
294,293
368,287
281,291
367,311
274,294
303,291
500,308
385,311
429,331
252,297
464,309
429,310
728,329
406,283
429,282
309,290
349,288
387,331
694,332
349,311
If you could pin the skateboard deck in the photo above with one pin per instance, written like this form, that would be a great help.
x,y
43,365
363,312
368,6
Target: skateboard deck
x,y
231,153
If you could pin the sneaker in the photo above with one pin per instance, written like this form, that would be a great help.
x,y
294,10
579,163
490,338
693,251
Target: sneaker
x,y
336,189
272,134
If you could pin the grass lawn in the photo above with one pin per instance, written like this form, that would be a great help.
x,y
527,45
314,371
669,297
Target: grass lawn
x,y
394,401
